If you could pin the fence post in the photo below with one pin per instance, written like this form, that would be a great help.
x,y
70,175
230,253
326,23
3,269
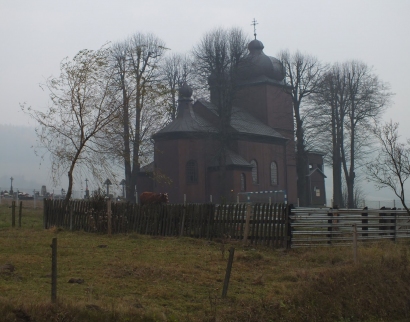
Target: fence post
x,y
228,272
211,215
395,226
54,271
20,210
181,231
365,221
44,213
13,213
355,243
330,228
109,217
288,226
247,223
71,218
382,221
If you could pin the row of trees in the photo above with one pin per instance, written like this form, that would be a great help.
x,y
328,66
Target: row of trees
x,y
342,104
106,104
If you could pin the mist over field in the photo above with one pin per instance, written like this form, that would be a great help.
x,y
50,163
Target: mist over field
x,y
18,160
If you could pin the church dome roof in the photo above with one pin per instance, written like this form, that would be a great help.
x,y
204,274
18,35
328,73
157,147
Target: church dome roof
x,y
185,91
257,65
255,45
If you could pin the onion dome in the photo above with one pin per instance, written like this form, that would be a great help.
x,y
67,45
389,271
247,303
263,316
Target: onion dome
x,y
257,65
184,92
255,46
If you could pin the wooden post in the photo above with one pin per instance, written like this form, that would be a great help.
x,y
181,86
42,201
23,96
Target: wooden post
x,y
247,223
54,271
211,214
44,214
71,218
288,225
355,243
13,213
109,217
365,222
330,226
228,272
395,226
20,210
181,230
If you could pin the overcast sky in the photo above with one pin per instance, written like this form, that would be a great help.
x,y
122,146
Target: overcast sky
x,y
37,35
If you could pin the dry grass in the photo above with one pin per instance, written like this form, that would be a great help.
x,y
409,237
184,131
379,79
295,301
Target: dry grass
x,y
140,278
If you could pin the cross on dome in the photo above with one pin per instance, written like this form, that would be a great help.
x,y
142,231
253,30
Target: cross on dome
x,y
254,23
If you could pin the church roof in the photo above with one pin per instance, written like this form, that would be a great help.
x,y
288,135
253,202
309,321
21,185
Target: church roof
x,y
316,170
258,67
232,158
190,122
148,167
244,122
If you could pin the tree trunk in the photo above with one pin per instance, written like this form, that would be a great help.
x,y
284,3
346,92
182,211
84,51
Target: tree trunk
x,y
350,177
302,163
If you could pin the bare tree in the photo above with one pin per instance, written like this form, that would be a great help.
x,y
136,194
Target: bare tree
x,y
81,108
136,63
218,57
351,98
326,120
391,169
367,99
177,69
304,76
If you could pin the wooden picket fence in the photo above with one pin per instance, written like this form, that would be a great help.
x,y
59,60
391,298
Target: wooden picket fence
x,y
262,224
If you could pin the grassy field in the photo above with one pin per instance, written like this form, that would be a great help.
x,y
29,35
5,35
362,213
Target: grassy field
x,y
140,278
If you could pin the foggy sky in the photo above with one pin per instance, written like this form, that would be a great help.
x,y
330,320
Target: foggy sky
x,y
37,35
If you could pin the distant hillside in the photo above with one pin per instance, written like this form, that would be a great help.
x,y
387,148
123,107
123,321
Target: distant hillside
x,y
18,160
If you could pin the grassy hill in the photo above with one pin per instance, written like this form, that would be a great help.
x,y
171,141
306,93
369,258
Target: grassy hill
x,y
140,278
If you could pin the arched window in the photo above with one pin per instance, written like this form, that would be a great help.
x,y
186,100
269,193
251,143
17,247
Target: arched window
x,y
273,173
243,182
191,172
254,172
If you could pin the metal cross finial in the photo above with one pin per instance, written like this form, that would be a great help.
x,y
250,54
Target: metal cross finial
x,y
254,23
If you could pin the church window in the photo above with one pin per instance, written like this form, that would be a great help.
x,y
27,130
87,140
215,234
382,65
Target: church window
x,y
254,172
273,173
191,171
243,182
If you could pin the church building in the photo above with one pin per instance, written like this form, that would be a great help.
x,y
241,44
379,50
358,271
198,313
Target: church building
x,y
261,153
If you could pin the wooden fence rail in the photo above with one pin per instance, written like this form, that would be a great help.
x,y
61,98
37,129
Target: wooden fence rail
x,y
327,227
267,225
